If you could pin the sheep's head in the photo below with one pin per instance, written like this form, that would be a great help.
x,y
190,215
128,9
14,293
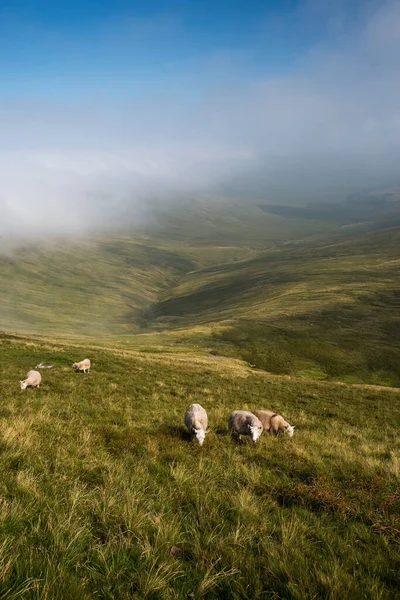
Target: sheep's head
x,y
199,434
255,431
289,430
74,366
23,384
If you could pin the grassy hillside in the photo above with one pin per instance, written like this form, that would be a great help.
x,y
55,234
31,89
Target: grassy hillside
x,y
96,287
86,288
292,295
324,309
102,286
99,482
226,221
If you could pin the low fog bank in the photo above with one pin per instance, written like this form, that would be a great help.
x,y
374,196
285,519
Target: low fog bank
x,y
66,192
325,130
63,195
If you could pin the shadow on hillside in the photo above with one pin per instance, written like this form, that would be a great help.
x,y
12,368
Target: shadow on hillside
x,y
176,431
220,430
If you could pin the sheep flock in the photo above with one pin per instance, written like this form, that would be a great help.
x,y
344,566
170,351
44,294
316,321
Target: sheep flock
x,y
240,422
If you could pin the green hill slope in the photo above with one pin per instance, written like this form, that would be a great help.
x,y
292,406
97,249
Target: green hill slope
x,y
296,296
99,482
91,288
102,286
321,309
104,496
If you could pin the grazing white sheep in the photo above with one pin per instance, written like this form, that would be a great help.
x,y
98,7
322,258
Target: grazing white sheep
x,y
32,379
244,422
274,423
84,365
196,421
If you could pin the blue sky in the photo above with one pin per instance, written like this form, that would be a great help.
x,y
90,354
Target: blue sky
x,y
85,46
107,105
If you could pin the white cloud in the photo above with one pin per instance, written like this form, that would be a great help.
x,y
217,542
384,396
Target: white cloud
x,y
335,121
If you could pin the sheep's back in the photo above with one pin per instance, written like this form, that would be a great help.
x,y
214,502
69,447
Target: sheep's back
x,y
196,416
265,417
33,377
240,419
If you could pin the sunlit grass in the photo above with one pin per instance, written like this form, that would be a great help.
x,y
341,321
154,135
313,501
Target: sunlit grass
x,y
99,481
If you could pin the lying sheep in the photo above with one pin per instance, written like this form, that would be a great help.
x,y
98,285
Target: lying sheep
x,y
274,423
84,365
244,422
44,366
196,421
32,379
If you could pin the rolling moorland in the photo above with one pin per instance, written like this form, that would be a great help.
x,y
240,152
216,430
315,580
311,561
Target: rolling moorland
x,y
233,306
308,297
105,285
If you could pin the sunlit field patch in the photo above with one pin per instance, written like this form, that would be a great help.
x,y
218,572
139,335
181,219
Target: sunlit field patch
x,y
99,482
